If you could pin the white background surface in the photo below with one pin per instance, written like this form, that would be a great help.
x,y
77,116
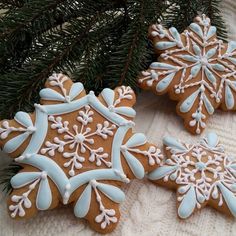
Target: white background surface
x,y
148,209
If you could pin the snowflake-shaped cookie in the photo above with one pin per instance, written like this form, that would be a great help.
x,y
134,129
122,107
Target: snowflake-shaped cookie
x,y
202,174
195,68
76,148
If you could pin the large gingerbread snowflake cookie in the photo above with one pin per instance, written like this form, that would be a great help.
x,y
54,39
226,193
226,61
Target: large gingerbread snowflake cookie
x,y
76,148
202,173
194,68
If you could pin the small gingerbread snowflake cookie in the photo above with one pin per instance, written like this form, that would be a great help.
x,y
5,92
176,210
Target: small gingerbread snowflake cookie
x,y
76,148
194,68
202,173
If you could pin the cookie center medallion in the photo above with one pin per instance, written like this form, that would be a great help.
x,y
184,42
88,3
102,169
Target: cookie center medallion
x,y
203,61
200,165
79,138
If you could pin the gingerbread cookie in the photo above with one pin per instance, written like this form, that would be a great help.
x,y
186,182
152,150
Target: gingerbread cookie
x,y
202,173
194,68
76,148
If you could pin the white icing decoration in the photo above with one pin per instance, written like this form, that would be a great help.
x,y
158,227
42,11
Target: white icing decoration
x,y
201,171
77,140
199,52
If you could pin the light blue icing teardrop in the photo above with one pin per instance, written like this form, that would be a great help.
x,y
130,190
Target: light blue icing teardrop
x,y
188,204
229,198
188,103
208,105
174,32
50,94
210,76
212,139
15,142
165,45
112,192
134,164
197,50
232,59
218,67
23,118
162,66
189,58
197,29
231,46
211,32
136,140
229,97
75,90
164,83
161,172
126,111
44,195
24,178
108,95
211,53
173,143
195,70
233,84
83,204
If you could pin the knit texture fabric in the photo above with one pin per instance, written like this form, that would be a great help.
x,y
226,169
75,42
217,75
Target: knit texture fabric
x,y
148,209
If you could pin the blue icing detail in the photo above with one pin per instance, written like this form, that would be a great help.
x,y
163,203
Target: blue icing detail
x,y
188,204
162,171
112,192
174,32
212,139
83,204
41,125
134,164
218,67
229,97
209,107
136,140
164,83
44,195
189,58
50,167
195,69
165,45
232,59
211,53
75,90
50,94
229,198
127,111
211,32
197,29
210,76
23,118
162,66
99,174
231,46
174,143
24,178
15,142
189,101
197,50
108,95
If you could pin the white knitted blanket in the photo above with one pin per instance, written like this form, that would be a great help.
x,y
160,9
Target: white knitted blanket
x,y
148,209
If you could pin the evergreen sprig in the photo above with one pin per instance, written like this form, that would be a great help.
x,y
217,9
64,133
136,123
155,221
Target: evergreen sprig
x,y
99,43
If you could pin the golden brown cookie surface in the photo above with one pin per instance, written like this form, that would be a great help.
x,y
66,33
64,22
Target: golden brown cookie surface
x,y
202,173
195,69
76,148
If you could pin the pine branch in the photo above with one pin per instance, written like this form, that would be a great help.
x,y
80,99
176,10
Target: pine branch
x,y
100,43
6,174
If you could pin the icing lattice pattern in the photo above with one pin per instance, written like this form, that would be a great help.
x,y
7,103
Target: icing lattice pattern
x,y
76,140
203,174
196,68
